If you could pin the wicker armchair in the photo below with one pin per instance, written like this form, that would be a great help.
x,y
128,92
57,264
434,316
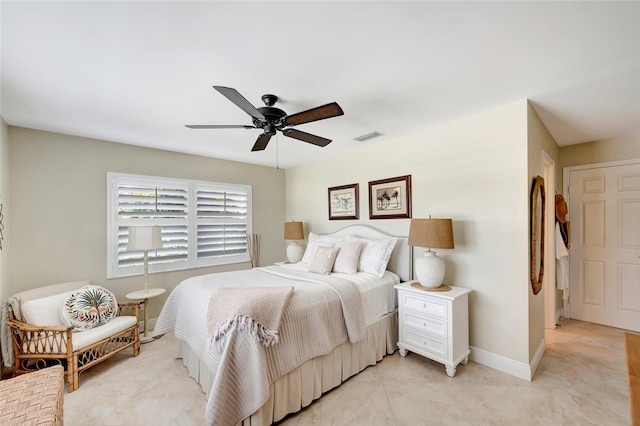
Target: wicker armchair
x,y
36,347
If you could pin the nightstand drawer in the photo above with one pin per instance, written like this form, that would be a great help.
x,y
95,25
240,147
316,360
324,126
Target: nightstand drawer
x,y
426,305
426,343
425,323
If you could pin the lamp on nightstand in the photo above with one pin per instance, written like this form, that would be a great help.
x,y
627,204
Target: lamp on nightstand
x,y
430,233
293,231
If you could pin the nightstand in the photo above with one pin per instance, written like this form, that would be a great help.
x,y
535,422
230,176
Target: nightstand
x,y
145,296
434,324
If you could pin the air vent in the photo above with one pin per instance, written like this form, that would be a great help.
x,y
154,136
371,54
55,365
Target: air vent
x,y
368,136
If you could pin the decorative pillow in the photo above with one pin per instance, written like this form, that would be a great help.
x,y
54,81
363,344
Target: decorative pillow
x,y
314,242
375,255
89,307
348,256
322,262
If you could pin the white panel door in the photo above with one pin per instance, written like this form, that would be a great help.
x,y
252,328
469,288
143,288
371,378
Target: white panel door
x,y
604,259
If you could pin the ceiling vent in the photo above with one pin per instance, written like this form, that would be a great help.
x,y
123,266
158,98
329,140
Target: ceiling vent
x,y
368,136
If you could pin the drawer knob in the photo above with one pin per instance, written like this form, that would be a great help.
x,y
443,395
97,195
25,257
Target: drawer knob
x,y
424,305
424,323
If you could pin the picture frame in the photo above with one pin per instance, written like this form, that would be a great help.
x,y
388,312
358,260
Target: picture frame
x,y
344,202
390,198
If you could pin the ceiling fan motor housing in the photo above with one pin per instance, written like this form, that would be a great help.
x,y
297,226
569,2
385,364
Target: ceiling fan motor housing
x,y
274,116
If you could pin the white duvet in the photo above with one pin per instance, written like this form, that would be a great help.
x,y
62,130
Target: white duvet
x,y
324,312
378,294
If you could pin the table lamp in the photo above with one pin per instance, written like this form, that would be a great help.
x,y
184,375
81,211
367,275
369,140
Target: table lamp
x,y
145,238
293,231
430,233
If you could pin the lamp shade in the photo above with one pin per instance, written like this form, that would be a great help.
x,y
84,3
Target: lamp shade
x,y
431,233
293,231
144,238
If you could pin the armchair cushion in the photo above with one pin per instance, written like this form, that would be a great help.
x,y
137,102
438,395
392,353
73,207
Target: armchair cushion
x,y
18,299
89,337
89,307
44,311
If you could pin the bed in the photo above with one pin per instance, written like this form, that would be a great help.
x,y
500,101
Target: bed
x,y
332,326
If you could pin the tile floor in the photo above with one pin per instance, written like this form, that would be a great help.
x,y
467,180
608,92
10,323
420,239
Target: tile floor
x,y
581,380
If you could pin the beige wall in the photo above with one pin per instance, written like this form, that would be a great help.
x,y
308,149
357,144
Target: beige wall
x,y
623,148
472,170
4,200
539,140
59,213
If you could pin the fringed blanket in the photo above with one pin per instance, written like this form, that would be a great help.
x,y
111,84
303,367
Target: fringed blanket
x,y
256,310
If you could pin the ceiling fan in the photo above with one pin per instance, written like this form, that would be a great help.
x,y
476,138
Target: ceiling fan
x,y
270,119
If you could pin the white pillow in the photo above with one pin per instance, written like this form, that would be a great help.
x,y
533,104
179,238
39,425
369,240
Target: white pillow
x,y
375,255
348,256
322,262
314,242
44,310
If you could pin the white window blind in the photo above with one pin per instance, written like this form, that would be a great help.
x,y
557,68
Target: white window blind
x,y
203,223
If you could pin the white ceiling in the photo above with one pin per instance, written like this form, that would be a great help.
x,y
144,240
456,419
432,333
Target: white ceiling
x,y
137,72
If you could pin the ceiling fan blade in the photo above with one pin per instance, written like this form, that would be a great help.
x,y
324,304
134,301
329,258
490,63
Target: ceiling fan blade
x,y
234,96
261,142
306,137
218,126
314,114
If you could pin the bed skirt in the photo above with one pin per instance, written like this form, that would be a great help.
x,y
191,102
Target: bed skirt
x,y
306,383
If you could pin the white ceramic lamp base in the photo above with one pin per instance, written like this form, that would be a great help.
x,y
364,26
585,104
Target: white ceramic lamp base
x,y
429,270
294,252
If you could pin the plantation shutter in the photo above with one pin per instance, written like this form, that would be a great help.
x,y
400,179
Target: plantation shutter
x,y
203,223
221,221
164,205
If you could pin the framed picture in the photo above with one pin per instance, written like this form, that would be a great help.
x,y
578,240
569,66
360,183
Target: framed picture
x,y
390,198
344,202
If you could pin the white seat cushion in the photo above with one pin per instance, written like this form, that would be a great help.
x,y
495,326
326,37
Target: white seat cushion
x,y
82,339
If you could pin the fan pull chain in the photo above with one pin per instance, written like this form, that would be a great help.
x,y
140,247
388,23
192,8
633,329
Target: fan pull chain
x,y
277,150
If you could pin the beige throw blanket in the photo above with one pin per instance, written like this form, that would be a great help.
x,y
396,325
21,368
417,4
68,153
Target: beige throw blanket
x,y
256,310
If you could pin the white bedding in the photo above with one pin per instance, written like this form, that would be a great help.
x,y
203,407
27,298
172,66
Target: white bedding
x,y
324,319
378,294
338,328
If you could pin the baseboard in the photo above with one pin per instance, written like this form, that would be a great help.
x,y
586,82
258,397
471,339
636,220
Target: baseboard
x,y
152,324
537,357
500,363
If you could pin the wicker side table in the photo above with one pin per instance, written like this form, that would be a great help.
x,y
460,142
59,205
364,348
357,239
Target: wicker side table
x,y
33,399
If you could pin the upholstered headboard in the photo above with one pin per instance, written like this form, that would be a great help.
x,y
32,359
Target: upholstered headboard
x,y
400,261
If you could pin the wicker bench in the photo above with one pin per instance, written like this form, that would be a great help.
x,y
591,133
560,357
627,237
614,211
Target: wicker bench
x,y
36,346
33,399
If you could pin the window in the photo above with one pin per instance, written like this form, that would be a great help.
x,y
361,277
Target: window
x,y
203,223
